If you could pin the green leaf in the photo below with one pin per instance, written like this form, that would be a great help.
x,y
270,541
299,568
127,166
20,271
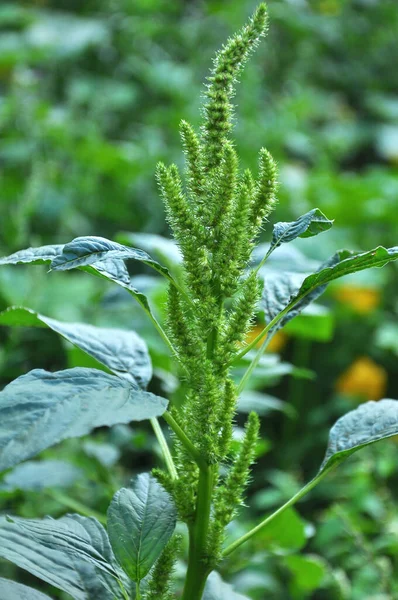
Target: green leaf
x,y
308,225
308,571
85,251
316,323
10,590
262,404
40,409
217,589
286,531
287,294
72,553
33,256
367,424
141,520
123,352
110,268
39,475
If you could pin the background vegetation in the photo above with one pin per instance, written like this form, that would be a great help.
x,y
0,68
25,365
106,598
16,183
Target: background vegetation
x,y
91,94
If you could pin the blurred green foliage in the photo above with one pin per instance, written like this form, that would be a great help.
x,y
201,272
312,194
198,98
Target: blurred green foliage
x,y
91,95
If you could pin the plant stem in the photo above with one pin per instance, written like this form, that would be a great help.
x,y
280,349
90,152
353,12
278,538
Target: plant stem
x,y
184,439
165,448
253,364
137,591
198,570
76,505
307,488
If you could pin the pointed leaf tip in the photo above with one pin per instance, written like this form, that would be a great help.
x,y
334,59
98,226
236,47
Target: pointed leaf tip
x,y
367,424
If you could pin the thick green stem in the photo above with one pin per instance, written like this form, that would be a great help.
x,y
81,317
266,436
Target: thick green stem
x,y
164,447
137,591
198,569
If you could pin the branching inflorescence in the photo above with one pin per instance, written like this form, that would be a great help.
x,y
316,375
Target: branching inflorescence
x,y
215,220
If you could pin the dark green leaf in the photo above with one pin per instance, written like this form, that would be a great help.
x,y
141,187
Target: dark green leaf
x,y
141,520
290,293
85,251
33,256
40,409
110,268
123,352
369,423
72,553
10,590
217,589
308,225
38,475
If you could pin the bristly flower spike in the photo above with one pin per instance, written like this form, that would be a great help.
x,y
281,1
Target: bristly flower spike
x,y
227,66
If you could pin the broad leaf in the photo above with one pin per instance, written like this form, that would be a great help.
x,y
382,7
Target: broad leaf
x,y
123,352
217,589
71,553
109,268
10,590
141,520
33,256
367,424
40,409
85,251
286,296
308,225
39,475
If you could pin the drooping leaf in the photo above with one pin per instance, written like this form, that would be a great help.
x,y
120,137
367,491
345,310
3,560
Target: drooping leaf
x,y
285,295
109,268
39,475
33,256
367,424
87,250
308,225
123,352
10,590
40,409
141,520
72,553
217,589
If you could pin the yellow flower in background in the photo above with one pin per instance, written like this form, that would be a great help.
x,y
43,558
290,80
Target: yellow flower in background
x,y
277,343
362,299
363,378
